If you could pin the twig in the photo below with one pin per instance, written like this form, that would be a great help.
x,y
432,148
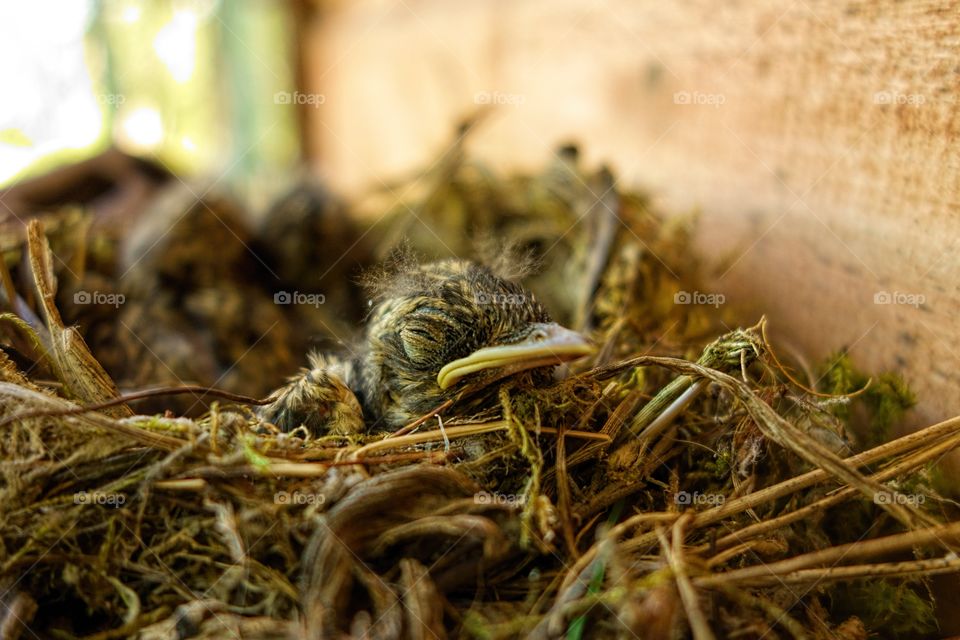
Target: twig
x,y
941,534
796,440
688,595
181,484
419,421
838,497
914,568
143,436
923,438
139,395
463,432
730,351
813,392
640,519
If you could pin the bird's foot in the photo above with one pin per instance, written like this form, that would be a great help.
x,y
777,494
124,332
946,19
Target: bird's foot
x,y
318,400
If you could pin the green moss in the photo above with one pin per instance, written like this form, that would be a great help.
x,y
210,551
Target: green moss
x,y
721,464
886,397
893,610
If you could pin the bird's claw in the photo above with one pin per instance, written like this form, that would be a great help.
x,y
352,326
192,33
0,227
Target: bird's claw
x,y
317,400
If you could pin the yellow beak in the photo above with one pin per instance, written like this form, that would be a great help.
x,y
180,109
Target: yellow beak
x,y
548,344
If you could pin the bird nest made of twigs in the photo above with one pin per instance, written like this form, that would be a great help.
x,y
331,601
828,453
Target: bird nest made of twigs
x,y
708,492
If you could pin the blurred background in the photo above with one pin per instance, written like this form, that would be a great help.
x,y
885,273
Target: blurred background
x,y
198,87
817,139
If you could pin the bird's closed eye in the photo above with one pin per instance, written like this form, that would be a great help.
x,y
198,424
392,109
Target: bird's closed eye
x,y
420,344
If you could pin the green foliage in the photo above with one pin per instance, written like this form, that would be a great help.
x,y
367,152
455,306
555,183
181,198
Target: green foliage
x,y
893,610
721,464
886,396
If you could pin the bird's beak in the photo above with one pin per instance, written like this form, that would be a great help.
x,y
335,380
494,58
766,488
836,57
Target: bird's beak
x,y
548,344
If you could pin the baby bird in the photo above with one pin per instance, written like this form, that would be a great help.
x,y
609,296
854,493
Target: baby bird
x,y
435,331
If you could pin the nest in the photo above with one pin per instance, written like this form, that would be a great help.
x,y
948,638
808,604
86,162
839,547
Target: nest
x,y
712,491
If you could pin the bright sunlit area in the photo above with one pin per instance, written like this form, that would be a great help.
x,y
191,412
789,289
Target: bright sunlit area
x,y
154,79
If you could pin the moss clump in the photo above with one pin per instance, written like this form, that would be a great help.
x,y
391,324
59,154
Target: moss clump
x,y
885,397
892,610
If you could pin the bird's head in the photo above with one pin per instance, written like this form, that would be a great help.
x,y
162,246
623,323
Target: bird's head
x,y
438,327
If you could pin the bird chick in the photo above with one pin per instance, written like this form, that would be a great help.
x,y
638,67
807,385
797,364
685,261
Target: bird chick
x,y
436,331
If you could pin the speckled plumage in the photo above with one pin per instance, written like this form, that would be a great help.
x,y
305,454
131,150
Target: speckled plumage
x,y
423,318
